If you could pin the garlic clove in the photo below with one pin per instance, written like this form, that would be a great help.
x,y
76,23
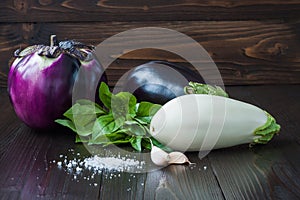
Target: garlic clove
x,y
178,158
159,157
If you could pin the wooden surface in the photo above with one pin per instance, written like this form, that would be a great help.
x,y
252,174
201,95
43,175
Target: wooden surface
x,y
252,42
267,171
136,10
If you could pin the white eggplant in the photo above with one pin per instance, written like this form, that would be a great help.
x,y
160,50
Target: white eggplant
x,y
198,122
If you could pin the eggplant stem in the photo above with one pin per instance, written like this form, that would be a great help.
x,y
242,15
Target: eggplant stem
x,y
53,40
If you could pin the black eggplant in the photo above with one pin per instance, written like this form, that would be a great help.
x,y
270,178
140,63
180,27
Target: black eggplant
x,y
159,81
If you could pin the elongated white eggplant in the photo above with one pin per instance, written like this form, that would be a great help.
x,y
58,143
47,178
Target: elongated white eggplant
x,y
199,122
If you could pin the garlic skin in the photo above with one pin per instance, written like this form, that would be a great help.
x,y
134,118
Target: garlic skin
x,y
161,158
178,158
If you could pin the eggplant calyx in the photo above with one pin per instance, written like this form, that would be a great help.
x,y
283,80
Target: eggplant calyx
x,y
70,47
200,88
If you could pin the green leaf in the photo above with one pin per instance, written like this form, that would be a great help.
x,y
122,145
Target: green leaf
x,y
81,115
67,123
122,141
110,138
106,124
136,142
83,106
79,139
123,105
160,145
134,128
105,95
141,121
146,143
92,106
85,130
118,138
146,109
121,121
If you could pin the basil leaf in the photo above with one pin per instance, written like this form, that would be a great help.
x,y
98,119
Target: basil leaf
x,y
85,130
122,141
79,139
134,128
92,106
120,134
105,95
110,138
123,105
106,124
118,138
121,120
80,130
160,145
146,111
82,115
136,142
66,123
141,121
146,143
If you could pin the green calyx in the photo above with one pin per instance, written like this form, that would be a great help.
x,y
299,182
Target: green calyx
x,y
199,88
266,132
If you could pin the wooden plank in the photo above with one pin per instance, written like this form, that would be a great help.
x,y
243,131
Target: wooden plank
x,y
245,52
27,170
8,129
113,10
46,180
189,182
264,171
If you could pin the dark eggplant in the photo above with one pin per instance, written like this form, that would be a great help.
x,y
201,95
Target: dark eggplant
x,y
159,81
41,80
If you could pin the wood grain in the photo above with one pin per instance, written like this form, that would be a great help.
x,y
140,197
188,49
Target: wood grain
x,y
245,52
122,10
267,163
266,171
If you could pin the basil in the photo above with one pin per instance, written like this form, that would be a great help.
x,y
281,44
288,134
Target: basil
x,y
121,120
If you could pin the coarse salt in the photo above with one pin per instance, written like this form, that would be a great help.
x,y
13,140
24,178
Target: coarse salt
x,y
97,164
112,163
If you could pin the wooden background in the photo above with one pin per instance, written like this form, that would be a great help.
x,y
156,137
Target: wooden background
x,y
252,42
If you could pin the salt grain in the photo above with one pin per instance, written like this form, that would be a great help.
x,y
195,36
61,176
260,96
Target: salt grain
x,y
111,163
78,169
97,165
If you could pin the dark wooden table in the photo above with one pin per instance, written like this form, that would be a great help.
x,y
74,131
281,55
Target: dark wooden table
x,y
267,171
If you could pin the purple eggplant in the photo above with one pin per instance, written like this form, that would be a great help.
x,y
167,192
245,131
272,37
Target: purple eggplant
x,y
159,81
41,80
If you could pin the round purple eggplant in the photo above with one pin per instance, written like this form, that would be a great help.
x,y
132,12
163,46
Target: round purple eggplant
x,y
159,81
41,80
